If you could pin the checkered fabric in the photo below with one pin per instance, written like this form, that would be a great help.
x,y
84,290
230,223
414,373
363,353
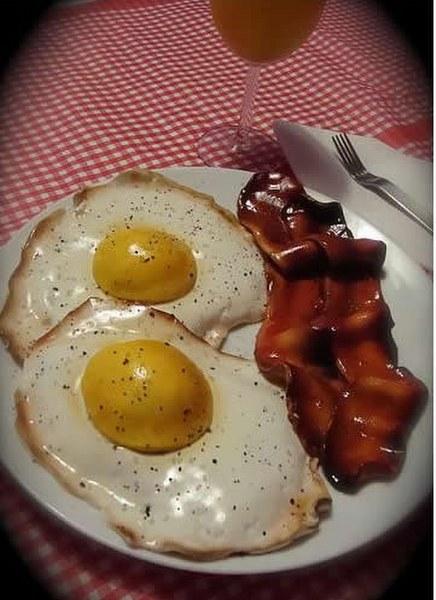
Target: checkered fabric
x,y
110,84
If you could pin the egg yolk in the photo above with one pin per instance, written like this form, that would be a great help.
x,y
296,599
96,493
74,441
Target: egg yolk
x,y
147,265
146,395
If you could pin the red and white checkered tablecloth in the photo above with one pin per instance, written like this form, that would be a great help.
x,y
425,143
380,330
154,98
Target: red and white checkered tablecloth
x,y
106,85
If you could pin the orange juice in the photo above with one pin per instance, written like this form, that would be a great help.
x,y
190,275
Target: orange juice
x,y
262,31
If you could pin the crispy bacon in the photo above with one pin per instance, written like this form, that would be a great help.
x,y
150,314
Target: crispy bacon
x,y
327,332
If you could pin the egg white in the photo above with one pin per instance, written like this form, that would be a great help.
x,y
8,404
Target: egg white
x,y
246,486
54,274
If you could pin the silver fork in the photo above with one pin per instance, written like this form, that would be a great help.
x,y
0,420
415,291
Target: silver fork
x,y
381,186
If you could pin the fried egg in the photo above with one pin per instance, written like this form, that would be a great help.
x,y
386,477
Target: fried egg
x,y
182,447
142,238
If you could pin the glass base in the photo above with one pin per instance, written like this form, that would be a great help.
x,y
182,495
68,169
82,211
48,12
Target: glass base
x,y
249,149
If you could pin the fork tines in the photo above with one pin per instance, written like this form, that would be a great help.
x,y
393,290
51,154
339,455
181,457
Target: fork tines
x,y
348,154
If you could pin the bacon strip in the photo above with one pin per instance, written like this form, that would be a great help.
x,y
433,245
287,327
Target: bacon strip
x,y
327,333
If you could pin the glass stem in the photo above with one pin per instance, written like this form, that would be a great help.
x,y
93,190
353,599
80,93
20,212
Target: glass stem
x,y
251,86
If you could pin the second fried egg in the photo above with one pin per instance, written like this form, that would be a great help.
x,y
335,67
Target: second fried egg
x,y
182,447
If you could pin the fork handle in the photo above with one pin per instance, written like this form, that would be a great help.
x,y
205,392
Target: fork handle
x,y
394,196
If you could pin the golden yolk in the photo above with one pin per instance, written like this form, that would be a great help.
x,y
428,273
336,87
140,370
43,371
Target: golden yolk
x,y
147,395
144,264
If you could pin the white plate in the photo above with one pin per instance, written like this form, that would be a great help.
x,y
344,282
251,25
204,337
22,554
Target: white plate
x,y
355,520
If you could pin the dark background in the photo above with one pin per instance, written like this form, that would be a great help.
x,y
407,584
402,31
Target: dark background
x,y
415,21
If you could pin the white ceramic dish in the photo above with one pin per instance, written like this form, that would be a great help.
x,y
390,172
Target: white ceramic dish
x,y
355,520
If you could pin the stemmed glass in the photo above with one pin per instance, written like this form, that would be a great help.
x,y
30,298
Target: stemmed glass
x,y
260,32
